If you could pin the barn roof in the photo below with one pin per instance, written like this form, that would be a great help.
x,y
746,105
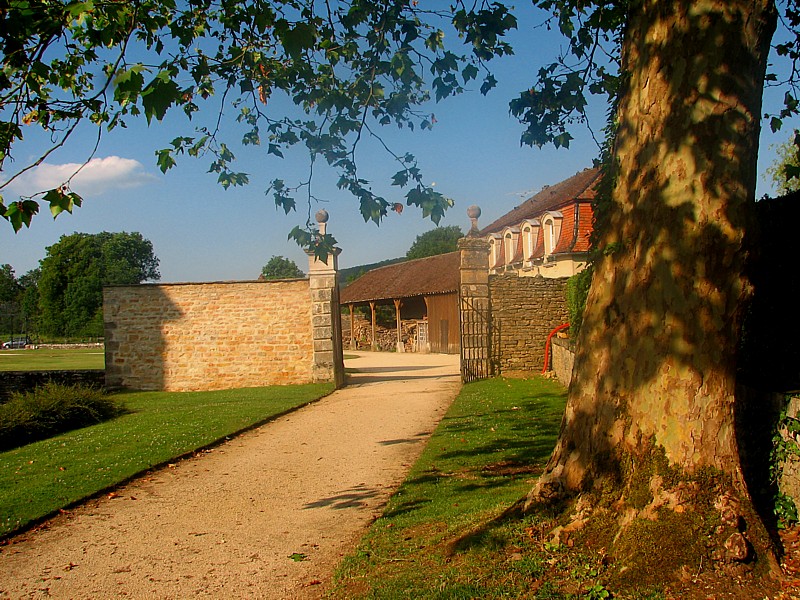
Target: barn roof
x,y
579,187
421,277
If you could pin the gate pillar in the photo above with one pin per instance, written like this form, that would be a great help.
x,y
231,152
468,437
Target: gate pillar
x,y
323,278
474,306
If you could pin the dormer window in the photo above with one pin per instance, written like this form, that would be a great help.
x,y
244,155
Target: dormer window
x,y
551,225
509,248
510,244
494,251
530,237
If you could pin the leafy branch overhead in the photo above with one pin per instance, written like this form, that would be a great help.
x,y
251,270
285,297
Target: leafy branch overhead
x,y
347,67
316,74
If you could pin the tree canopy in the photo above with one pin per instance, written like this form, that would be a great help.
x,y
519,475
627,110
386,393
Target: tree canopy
x,y
74,271
436,241
347,66
279,267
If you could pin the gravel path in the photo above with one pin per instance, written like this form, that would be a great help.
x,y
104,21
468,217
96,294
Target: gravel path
x,y
227,523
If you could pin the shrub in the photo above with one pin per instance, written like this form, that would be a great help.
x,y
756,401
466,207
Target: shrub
x,y
52,409
577,291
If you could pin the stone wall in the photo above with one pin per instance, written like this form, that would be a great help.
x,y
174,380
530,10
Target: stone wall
x,y
563,359
25,381
524,311
204,336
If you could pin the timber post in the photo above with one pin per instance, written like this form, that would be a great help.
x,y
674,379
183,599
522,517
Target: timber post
x,y
400,346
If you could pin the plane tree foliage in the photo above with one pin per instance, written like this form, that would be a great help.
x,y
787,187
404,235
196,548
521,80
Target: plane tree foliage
x,y
347,67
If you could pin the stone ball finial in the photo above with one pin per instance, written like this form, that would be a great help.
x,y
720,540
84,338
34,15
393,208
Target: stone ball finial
x,y
473,212
322,218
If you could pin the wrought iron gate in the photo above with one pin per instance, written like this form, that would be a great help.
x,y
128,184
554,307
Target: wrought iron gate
x,y
476,339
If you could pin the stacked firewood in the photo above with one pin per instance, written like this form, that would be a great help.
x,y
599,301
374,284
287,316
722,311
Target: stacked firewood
x,y
385,337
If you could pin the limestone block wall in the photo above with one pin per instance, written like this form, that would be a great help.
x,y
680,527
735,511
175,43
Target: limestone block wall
x,y
563,359
524,311
205,336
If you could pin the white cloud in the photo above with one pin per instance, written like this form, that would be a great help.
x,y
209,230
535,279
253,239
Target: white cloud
x,y
98,176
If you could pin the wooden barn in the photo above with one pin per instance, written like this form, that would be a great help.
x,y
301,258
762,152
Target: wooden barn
x,y
424,290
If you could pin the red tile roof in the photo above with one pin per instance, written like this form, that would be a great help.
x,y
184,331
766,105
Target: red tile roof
x,y
581,187
422,277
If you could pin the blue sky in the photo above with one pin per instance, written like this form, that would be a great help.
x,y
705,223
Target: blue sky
x,y
201,232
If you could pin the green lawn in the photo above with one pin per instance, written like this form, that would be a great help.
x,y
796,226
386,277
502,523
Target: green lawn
x,y
442,534
44,359
42,477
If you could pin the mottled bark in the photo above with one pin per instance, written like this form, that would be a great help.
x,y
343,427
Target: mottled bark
x,y
656,357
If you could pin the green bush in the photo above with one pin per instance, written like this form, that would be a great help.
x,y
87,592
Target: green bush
x,y
577,291
52,409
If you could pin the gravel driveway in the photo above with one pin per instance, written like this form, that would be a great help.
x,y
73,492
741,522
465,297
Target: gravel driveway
x,y
266,515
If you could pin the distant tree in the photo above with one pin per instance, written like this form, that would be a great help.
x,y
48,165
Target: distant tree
x,y
279,267
785,171
74,272
9,287
9,308
436,241
128,258
28,299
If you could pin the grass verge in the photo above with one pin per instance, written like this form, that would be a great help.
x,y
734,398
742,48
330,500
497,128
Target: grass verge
x,y
444,533
46,359
38,479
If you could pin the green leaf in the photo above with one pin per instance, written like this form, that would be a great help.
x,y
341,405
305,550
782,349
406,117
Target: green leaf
x,y
164,159
298,39
400,178
20,213
469,73
128,84
61,201
301,236
159,95
488,83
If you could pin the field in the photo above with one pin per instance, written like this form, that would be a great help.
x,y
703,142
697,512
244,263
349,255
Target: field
x,y
44,359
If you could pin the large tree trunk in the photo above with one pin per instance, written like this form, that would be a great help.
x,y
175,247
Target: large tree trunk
x,y
650,417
